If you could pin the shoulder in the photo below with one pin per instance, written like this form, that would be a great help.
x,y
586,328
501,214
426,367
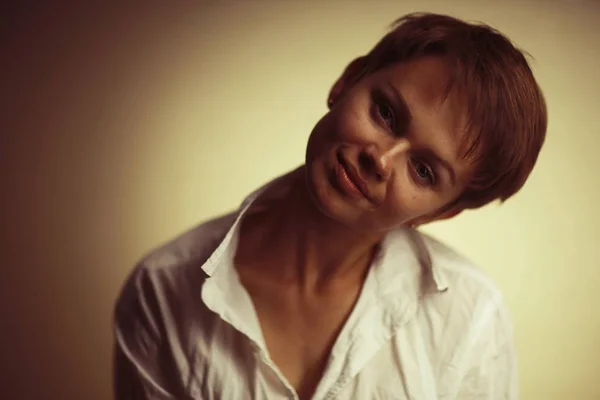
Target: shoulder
x,y
460,272
472,314
192,247
156,302
471,326
473,299
171,272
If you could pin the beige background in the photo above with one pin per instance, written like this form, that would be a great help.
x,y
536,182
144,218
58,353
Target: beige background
x,y
122,127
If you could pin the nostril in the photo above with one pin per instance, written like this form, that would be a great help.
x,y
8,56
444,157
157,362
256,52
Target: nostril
x,y
367,162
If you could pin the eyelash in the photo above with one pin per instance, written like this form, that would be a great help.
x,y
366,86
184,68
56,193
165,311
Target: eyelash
x,y
430,179
381,104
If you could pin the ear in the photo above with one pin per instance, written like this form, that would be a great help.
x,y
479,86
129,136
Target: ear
x,y
347,79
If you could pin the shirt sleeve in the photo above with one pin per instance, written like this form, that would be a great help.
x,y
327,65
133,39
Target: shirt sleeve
x,y
491,372
143,365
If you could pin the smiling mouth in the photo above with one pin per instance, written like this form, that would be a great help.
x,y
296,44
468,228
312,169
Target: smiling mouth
x,y
355,183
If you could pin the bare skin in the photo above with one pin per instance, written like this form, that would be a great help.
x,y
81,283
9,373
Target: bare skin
x,y
301,307
305,258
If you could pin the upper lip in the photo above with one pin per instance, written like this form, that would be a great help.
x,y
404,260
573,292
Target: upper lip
x,y
355,178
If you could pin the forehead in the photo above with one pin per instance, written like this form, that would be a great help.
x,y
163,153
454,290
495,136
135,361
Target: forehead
x,y
430,77
438,111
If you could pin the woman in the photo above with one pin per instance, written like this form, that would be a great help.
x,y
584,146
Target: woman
x,y
320,286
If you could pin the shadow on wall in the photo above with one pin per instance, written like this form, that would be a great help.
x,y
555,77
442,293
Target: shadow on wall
x,y
68,182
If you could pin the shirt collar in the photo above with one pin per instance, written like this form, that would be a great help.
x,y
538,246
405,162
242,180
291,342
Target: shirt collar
x,y
401,246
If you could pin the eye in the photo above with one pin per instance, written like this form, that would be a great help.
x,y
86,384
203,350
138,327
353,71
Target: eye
x,y
386,114
423,173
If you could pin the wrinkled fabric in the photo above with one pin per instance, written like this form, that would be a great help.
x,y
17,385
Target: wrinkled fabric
x,y
428,325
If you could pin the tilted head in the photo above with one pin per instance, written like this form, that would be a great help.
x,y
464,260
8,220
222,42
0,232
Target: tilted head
x,y
440,116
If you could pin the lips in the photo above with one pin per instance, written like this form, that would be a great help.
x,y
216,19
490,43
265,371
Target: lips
x,y
354,177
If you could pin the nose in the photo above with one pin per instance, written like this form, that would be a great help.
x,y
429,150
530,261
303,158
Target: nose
x,y
378,160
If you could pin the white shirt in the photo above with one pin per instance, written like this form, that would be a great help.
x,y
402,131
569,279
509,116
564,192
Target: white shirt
x,y
428,325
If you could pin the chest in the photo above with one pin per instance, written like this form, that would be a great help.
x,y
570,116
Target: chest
x,y
397,368
300,330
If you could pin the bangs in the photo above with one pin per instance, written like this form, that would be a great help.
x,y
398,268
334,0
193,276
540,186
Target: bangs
x,y
495,135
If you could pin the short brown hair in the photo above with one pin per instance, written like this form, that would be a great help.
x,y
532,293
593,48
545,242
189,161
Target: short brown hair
x,y
506,109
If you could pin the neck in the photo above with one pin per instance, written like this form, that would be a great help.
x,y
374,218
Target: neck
x,y
306,247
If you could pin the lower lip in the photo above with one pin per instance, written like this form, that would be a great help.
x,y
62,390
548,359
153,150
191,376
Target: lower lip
x,y
345,183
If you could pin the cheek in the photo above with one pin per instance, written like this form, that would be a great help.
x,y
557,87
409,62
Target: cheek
x,y
319,138
353,122
405,201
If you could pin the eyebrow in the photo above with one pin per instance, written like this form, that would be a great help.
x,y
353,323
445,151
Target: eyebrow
x,y
403,107
445,165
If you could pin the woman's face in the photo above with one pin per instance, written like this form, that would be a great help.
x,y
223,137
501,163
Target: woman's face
x,y
388,151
